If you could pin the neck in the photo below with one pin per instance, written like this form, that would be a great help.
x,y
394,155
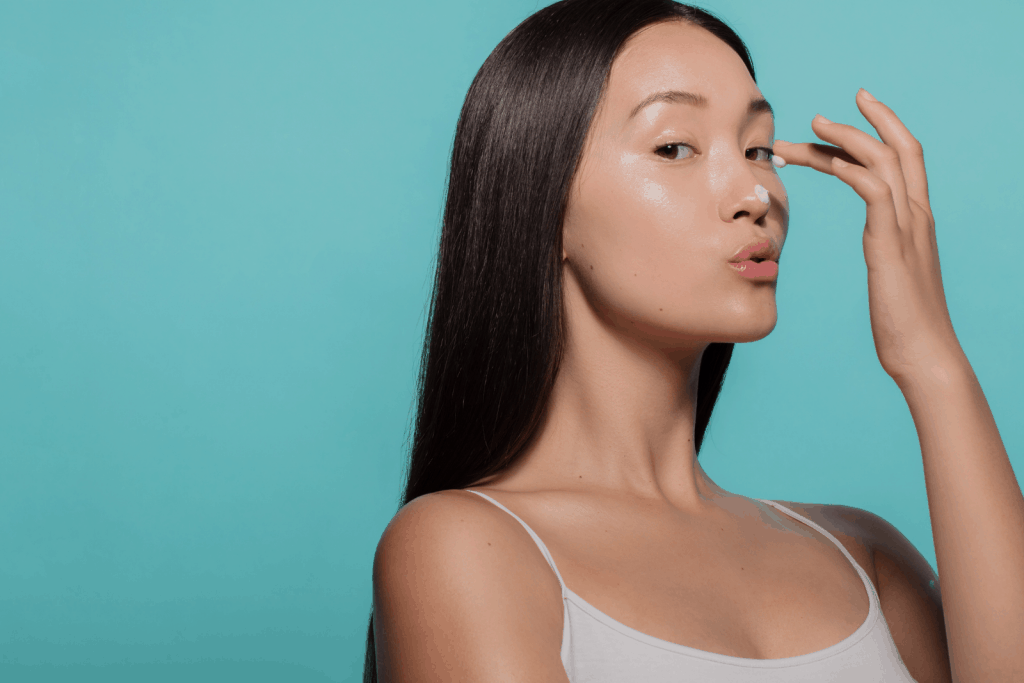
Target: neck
x,y
620,418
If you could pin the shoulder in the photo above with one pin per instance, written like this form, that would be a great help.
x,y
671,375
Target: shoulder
x,y
456,531
907,586
457,589
434,522
888,547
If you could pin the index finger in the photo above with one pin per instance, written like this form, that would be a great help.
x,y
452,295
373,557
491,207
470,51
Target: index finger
x,y
812,154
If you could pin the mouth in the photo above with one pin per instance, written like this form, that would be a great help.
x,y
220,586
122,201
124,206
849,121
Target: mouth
x,y
763,250
759,269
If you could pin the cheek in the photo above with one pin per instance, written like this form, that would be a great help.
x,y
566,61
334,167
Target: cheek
x,y
778,189
627,209
653,192
780,204
637,240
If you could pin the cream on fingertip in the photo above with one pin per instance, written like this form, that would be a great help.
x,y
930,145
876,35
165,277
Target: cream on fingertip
x,y
777,161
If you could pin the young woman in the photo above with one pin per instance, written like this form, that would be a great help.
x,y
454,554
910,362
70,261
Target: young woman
x,y
613,226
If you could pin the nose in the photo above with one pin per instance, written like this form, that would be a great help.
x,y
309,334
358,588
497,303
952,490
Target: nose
x,y
751,199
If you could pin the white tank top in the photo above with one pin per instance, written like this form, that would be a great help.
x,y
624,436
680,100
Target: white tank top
x,y
599,649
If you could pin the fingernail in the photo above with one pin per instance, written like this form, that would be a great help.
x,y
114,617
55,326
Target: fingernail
x,y
868,96
819,116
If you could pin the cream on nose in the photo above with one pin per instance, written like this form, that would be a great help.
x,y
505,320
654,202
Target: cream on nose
x,y
762,194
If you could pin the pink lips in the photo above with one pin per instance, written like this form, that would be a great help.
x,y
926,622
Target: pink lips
x,y
757,260
753,269
761,249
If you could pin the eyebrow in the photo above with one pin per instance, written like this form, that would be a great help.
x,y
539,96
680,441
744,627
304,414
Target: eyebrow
x,y
755,106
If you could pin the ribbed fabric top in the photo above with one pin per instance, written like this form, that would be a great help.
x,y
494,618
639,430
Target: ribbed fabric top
x,y
599,649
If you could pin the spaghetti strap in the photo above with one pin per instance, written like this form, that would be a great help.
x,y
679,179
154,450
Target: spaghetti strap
x,y
870,587
533,535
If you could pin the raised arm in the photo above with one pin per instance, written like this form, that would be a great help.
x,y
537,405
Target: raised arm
x,y
975,501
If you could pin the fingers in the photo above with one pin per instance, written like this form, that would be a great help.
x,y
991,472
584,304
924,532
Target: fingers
x,y
882,221
895,135
811,154
874,155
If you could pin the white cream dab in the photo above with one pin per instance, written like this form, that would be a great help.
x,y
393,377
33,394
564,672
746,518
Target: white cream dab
x,y
762,194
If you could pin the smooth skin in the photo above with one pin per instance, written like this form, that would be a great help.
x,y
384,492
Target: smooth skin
x,y
663,199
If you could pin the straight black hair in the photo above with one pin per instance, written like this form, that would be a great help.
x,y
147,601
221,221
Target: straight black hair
x,y
496,329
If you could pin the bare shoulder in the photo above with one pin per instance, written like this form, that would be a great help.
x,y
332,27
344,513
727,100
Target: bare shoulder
x,y
843,522
907,586
461,592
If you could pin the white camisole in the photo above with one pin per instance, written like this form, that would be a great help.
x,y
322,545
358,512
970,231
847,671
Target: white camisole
x,y
599,649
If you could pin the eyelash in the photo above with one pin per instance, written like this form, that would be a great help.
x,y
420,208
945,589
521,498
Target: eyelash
x,y
769,150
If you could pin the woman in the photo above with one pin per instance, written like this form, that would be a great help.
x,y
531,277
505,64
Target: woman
x,y
613,225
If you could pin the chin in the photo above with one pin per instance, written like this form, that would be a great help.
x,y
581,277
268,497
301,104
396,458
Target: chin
x,y
748,325
749,329
751,336
753,329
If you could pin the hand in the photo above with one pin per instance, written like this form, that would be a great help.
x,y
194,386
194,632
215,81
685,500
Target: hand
x,y
910,321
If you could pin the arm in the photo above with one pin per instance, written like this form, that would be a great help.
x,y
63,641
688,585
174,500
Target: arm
x,y
976,512
461,593
975,502
977,515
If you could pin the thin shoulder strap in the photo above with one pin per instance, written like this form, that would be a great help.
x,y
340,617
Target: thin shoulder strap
x,y
533,535
860,570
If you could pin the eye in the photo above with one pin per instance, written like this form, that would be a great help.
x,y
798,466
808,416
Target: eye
x,y
671,151
767,150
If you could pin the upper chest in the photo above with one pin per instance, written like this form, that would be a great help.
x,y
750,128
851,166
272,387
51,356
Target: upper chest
x,y
745,585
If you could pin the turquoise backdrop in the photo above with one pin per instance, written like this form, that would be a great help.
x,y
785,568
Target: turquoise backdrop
x,y
218,222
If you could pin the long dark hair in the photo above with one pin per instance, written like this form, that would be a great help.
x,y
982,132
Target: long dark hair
x,y
496,329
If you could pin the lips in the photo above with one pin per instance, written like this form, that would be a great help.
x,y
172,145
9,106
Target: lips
x,y
759,270
762,250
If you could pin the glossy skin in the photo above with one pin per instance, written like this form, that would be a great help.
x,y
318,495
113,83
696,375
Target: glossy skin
x,y
612,483
646,244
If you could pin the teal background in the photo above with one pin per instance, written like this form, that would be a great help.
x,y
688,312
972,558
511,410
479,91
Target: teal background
x,y
218,222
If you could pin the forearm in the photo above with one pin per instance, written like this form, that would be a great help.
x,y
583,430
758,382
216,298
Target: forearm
x,y
977,515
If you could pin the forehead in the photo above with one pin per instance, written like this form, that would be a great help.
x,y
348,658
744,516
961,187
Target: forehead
x,y
677,55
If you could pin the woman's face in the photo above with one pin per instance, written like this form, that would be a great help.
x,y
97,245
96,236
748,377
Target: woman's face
x,y
650,228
